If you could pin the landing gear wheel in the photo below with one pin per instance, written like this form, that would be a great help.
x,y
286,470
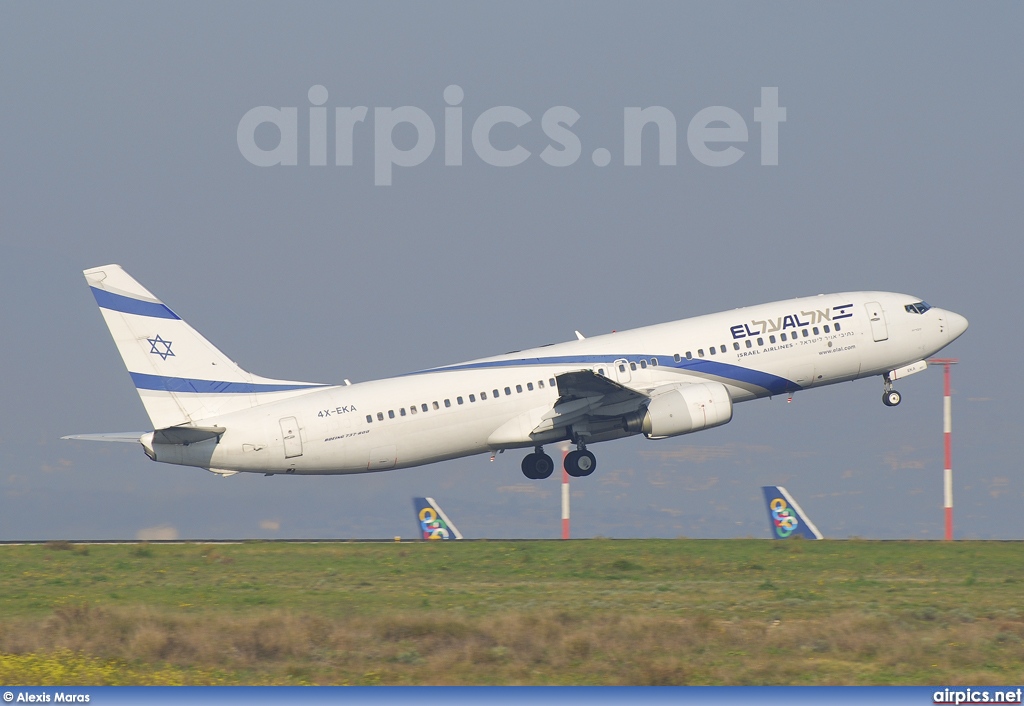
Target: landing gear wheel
x,y
580,463
891,398
537,466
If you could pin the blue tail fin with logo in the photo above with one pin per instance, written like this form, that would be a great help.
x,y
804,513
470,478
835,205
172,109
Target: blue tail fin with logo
x,y
433,523
785,517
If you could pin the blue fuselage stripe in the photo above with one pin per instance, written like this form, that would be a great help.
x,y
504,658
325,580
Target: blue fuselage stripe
x,y
772,383
127,305
144,381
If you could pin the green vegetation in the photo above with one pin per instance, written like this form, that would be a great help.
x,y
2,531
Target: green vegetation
x,y
581,612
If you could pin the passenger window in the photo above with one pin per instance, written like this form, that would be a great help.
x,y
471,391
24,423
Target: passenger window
x,y
748,343
735,345
837,327
712,350
600,371
380,416
827,329
700,352
508,391
401,412
654,361
643,364
483,395
551,382
529,386
804,332
391,414
519,388
436,405
369,419
472,398
632,366
495,393
722,348
771,339
676,357
540,384
689,355
458,400
424,406
760,341
815,329
622,368
447,403
412,409
783,336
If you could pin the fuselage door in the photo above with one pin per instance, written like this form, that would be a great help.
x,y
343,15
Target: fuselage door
x,y
621,370
879,331
290,435
382,457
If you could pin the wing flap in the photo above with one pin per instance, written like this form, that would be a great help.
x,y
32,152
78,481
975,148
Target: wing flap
x,y
584,394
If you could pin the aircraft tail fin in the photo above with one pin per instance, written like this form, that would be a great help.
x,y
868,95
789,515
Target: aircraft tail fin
x,y
785,517
180,376
433,523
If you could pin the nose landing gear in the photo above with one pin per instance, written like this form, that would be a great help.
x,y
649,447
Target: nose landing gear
x,y
890,398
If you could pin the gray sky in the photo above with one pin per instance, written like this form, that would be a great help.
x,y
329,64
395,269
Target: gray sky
x,y
900,168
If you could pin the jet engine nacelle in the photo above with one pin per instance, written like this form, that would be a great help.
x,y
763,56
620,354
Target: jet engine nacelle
x,y
686,409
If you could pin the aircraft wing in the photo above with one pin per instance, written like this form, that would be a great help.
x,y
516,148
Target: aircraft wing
x,y
585,395
584,384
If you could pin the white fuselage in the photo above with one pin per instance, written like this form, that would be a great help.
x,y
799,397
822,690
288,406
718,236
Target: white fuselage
x,y
495,403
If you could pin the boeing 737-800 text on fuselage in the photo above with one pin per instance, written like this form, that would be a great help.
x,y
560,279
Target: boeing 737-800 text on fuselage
x,y
659,381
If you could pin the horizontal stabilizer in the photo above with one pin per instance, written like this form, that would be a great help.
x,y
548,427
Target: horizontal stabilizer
x,y
124,437
186,435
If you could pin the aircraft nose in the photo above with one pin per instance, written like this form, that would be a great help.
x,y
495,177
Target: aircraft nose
x,y
955,325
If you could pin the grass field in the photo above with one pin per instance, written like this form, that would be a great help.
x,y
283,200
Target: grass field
x,y
581,612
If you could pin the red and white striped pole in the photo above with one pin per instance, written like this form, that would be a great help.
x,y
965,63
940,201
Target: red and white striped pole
x,y
565,497
947,438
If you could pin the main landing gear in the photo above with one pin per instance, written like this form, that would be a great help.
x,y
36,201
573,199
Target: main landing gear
x,y
578,463
538,465
890,398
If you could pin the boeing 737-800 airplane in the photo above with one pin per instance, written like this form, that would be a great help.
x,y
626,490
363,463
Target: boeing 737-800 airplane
x,y
659,381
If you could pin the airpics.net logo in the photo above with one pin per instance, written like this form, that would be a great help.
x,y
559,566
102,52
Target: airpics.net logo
x,y
712,134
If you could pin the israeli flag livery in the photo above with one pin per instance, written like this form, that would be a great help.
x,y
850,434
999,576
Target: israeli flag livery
x,y
180,376
660,381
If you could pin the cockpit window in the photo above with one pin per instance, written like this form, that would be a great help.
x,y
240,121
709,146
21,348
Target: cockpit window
x,y
918,307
